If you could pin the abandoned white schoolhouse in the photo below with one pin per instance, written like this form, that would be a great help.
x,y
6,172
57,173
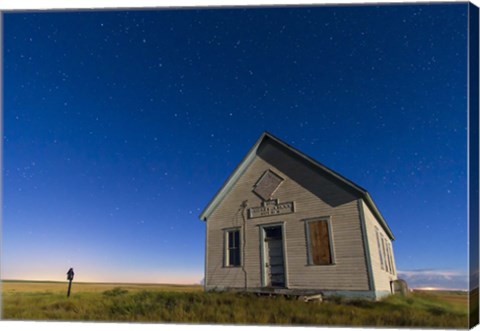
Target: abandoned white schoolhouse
x,y
284,223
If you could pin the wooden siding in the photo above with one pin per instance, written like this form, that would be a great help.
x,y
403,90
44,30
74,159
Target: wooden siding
x,y
315,195
381,278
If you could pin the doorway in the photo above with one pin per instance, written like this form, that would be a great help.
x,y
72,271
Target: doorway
x,y
273,258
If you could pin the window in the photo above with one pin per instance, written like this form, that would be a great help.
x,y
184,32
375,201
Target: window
x,y
232,253
390,258
380,251
267,185
385,256
319,243
385,252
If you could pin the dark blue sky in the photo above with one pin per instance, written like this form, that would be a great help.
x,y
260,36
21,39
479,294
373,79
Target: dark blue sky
x,y
120,126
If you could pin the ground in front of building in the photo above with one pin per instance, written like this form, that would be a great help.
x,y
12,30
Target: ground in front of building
x,y
190,304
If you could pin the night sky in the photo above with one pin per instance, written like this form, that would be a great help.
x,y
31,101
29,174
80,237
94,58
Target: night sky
x,y
120,126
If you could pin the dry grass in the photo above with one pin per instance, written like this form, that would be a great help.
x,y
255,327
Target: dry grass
x,y
189,304
9,287
457,300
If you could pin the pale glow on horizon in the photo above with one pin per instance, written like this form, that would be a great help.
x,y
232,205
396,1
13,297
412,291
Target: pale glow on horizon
x,y
432,272
438,289
94,271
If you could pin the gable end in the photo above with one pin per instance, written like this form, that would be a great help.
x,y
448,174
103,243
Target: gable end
x,y
247,160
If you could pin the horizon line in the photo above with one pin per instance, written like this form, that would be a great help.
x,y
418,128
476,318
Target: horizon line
x,y
94,282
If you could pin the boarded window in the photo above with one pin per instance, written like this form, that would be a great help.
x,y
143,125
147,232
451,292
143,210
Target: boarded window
x,y
233,248
389,261
380,251
390,257
267,184
319,242
384,251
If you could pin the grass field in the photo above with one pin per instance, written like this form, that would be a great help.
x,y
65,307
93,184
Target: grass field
x,y
189,304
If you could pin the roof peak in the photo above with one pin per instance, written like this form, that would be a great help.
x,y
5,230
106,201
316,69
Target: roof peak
x,y
240,169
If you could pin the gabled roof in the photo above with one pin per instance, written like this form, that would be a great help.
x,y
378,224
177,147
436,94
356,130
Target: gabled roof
x,y
247,160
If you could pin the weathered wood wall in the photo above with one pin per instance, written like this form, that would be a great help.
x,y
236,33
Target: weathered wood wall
x,y
382,278
315,195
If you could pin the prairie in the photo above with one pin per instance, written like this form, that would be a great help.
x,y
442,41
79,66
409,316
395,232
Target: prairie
x,y
165,303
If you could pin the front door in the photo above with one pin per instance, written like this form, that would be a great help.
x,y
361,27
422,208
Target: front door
x,y
273,258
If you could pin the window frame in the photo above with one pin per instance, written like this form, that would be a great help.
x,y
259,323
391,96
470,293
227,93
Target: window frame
x,y
226,250
328,220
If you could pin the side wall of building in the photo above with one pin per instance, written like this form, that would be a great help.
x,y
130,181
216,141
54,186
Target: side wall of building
x,y
383,272
315,194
